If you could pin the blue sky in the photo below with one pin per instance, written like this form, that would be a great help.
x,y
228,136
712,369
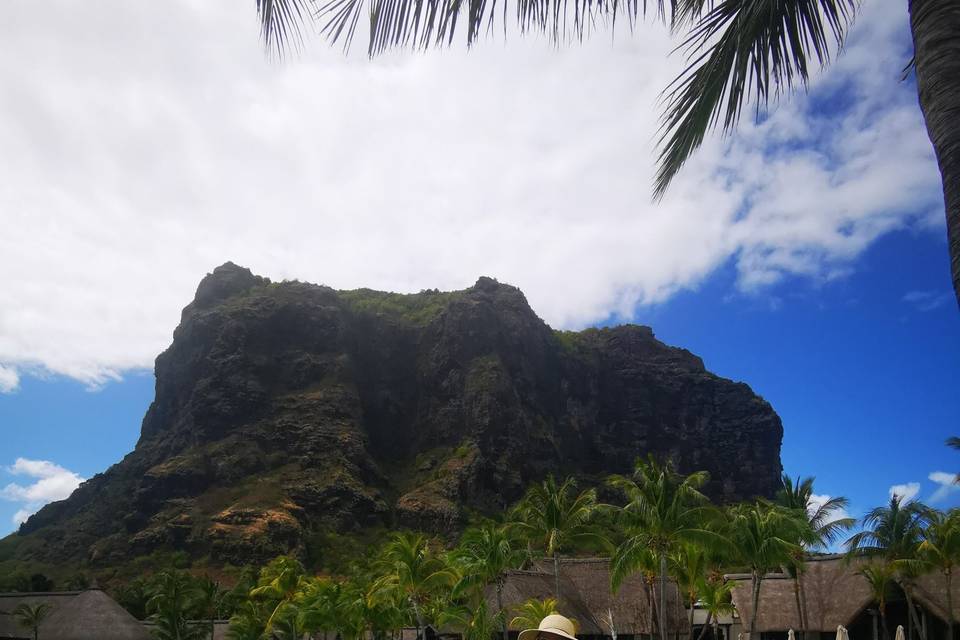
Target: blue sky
x,y
146,144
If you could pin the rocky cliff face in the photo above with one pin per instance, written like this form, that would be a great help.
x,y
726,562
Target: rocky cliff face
x,y
286,409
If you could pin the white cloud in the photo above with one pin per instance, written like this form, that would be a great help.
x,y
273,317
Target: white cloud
x,y
928,300
947,485
145,143
9,379
53,482
907,491
817,501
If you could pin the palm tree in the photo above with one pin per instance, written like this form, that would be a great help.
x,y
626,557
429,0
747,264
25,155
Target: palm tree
x,y
487,552
171,598
894,533
823,528
280,582
475,622
881,578
689,566
320,603
763,536
232,600
531,612
555,517
286,623
31,616
941,549
716,599
412,569
208,601
248,622
664,510
740,52
133,597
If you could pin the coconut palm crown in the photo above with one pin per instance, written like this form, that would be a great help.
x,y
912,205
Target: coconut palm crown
x,y
31,616
664,510
555,517
894,533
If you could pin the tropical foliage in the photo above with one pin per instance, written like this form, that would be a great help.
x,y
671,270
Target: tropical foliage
x,y
894,534
31,616
555,517
531,612
663,512
825,523
666,530
171,602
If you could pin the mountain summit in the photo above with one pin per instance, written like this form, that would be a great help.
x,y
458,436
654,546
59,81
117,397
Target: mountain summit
x,y
285,410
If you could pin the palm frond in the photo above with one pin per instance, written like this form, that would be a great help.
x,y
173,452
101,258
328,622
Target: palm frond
x,y
743,51
282,23
422,24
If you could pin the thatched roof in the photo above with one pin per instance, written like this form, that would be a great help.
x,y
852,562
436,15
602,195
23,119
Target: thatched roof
x,y
586,596
74,615
10,628
834,593
931,591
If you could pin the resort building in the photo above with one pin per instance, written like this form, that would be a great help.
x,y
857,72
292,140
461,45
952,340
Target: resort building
x,y
728,625
73,615
585,596
832,592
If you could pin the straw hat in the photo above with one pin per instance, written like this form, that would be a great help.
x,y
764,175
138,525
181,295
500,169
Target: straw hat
x,y
553,625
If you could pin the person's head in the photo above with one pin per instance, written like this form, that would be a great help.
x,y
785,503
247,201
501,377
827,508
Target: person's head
x,y
553,627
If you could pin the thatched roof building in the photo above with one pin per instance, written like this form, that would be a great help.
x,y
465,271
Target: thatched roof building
x,y
74,615
833,593
931,592
586,596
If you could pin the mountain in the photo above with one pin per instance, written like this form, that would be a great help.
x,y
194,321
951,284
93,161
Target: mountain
x,y
287,414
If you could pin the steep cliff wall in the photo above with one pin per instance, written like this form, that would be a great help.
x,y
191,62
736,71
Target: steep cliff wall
x,y
284,409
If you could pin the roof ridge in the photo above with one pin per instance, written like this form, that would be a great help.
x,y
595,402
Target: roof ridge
x,y
27,594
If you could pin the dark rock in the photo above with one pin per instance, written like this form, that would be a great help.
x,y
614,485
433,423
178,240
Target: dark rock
x,y
283,409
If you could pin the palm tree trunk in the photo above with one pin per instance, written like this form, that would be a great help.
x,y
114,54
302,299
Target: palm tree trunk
x,y
883,621
652,602
703,630
796,595
663,596
803,609
716,628
935,25
948,574
913,614
556,574
693,602
503,618
416,612
757,579
676,611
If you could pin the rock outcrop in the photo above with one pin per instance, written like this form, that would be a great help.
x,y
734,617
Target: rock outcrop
x,y
287,409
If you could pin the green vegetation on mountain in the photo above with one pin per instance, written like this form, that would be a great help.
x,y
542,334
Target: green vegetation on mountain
x,y
293,419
